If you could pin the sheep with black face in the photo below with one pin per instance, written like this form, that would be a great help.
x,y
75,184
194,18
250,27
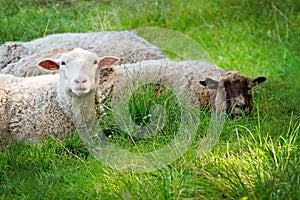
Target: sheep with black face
x,y
207,85
235,89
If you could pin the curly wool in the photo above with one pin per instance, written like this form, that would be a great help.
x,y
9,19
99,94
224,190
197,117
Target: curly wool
x,y
29,113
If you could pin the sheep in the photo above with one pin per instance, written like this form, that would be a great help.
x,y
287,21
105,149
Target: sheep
x,y
19,58
33,107
207,85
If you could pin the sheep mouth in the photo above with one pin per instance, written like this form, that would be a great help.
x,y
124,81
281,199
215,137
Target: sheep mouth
x,y
237,111
81,91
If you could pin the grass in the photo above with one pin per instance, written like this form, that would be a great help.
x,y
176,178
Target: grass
x,y
256,157
146,106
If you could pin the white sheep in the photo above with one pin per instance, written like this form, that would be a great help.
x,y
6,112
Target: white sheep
x,y
207,85
19,58
32,107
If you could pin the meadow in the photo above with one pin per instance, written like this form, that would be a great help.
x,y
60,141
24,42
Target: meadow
x,y
256,156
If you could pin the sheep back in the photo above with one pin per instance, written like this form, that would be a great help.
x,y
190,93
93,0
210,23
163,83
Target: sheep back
x,y
19,58
184,76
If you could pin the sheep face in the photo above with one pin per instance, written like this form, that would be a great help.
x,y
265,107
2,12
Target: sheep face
x,y
235,90
78,70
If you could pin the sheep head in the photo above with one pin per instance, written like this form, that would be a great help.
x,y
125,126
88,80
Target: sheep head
x,y
78,70
235,90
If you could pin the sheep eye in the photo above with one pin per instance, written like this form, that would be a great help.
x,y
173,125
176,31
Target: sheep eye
x,y
95,62
63,63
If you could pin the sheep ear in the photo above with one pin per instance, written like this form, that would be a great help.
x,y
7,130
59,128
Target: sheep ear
x,y
210,83
49,64
259,80
108,61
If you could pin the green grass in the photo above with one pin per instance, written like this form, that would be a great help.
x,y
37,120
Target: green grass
x,y
256,157
146,106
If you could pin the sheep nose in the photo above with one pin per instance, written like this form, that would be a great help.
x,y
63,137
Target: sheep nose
x,y
241,106
80,80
